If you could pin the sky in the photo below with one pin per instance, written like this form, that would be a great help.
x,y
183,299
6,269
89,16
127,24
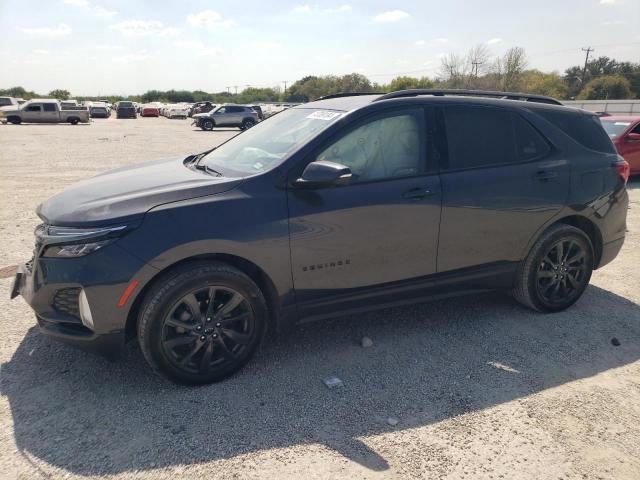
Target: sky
x,y
99,47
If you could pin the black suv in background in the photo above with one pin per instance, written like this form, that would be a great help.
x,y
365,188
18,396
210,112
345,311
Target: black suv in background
x,y
126,110
345,204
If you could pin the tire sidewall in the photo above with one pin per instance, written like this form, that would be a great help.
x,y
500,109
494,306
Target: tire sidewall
x,y
208,125
158,306
541,249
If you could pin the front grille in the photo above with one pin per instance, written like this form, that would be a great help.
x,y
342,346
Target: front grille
x,y
66,301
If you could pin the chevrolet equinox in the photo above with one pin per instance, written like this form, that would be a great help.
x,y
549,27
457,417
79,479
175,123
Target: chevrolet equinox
x,y
344,204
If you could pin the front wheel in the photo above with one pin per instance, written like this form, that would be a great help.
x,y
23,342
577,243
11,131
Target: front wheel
x,y
557,270
207,125
202,323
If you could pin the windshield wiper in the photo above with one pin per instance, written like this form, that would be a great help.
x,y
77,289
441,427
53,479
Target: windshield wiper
x,y
206,168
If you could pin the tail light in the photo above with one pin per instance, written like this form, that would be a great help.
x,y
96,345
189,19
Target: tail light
x,y
623,168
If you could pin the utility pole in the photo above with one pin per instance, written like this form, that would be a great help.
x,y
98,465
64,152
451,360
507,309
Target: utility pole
x,y
236,87
475,68
285,86
228,91
588,50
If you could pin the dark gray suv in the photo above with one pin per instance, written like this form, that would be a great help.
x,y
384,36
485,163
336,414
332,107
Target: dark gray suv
x,y
240,116
341,205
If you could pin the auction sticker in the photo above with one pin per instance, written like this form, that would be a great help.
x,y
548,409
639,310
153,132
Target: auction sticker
x,y
324,115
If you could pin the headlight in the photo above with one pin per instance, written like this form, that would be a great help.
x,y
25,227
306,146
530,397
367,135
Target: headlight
x,y
76,250
75,242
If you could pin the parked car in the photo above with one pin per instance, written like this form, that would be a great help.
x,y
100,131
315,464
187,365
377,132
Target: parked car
x,y
176,111
201,107
97,110
149,111
45,111
68,104
625,134
258,110
126,110
227,115
8,102
345,204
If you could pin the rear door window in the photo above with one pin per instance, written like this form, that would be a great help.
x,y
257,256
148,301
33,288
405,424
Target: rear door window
x,y
479,136
530,144
49,107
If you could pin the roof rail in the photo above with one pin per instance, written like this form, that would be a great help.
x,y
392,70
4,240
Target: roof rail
x,y
526,97
347,94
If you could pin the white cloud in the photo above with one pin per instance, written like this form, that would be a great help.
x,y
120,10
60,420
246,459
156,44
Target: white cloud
x,y
208,19
306,8
199,49
78,3
391,16
141,28
614,22
421,43
607,2
40,51
494,41
61,29
302,8
103,12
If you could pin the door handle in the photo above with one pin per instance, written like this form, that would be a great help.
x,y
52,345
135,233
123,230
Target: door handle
x,y
417,193
544,175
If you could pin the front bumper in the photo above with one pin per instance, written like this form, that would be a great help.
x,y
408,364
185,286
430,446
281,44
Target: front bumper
x,y
102,276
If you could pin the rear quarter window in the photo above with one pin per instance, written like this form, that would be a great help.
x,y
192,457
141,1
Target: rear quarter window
x,y
584,129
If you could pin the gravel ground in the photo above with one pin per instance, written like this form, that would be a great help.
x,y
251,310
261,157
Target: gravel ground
x,y
479,386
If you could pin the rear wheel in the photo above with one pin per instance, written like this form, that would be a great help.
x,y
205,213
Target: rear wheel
x,y
557,270
247,124
207,125
202,323
73,121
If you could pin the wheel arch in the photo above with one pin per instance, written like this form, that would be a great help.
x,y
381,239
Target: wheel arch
x,y
253,271
580,222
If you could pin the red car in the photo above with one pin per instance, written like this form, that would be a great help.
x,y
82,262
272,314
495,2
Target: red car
x,y
625,135
150,112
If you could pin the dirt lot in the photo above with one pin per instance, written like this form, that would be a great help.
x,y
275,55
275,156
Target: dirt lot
x,y
480,387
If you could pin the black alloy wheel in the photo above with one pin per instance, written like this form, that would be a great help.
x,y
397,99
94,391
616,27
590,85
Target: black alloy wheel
x,y
207,328
562,273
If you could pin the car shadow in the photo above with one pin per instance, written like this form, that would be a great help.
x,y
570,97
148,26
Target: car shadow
x,y
634,182
429,362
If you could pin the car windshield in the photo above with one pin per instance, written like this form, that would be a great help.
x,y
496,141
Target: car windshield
x,y
614,128
266,145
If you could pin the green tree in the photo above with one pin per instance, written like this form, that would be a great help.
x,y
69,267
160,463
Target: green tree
x,y
609,87
405,83
550,84
60,94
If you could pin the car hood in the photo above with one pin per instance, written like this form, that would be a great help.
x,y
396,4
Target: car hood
x,y
9,108
126,194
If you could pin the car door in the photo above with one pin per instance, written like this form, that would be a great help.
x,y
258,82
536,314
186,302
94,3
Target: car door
x,y
32,113
221,117
235,115
351,243
49,113
501,182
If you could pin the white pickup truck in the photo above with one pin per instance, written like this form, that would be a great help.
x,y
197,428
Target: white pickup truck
x,y
44,111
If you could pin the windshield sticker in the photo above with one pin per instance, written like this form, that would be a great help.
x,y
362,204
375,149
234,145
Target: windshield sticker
x,y
324,115
624,124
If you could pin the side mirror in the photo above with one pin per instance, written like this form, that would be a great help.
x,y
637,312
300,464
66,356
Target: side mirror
x,y
633,137
323,173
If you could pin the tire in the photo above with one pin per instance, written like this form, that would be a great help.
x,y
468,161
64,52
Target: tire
x,y
247,124
14,120
204,347
73,121
557,270
207,125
